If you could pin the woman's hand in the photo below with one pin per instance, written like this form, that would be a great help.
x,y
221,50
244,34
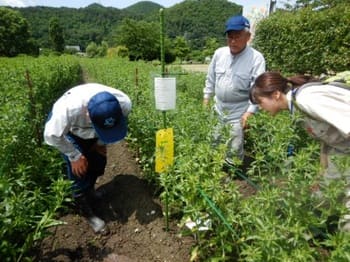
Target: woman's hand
x,y
79,167
244,119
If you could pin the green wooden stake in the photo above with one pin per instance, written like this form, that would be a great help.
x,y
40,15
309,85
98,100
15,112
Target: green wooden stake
x,y
162,59
162,51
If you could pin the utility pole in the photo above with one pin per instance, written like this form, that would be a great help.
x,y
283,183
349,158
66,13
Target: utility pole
x,y
272,6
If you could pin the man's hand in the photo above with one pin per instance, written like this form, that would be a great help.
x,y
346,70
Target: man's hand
x,y
315,187
324,156
205,102
79,167
244,119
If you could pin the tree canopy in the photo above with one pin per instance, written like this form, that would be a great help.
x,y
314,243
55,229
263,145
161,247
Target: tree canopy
x,y
197,20
309,36
14,34
141,38
192,19
56,35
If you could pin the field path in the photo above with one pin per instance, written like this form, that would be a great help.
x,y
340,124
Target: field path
x,y
203,68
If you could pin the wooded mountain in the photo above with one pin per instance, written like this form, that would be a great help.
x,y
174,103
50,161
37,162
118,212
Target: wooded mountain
x,y
193,19
144,8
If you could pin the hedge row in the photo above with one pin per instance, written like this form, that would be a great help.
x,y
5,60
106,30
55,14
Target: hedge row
x,y
307,40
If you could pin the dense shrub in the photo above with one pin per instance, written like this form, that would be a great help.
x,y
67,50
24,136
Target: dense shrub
x,y
306,40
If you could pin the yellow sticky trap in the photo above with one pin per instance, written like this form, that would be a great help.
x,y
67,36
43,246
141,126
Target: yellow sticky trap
x,y
164,149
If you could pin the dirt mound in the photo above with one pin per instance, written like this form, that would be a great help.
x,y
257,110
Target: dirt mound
x,y
134,218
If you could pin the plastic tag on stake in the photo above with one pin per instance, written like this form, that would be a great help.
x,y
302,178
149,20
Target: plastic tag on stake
x,y
165,93
164,149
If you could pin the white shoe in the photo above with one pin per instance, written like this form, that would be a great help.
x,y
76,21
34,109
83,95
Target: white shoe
x,y
87,212
96,223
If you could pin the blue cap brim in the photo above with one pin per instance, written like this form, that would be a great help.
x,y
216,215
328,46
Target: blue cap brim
x,y
235,28
114,134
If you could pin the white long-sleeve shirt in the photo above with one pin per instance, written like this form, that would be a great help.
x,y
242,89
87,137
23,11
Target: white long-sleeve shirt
x,y
230,78
70,115
327,114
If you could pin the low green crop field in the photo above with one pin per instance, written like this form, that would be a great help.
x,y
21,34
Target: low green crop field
x,y
280,221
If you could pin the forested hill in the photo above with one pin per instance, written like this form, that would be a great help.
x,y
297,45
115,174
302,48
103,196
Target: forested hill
x,y
194,19
143,8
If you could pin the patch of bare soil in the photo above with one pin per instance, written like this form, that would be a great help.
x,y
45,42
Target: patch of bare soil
x,y
134,216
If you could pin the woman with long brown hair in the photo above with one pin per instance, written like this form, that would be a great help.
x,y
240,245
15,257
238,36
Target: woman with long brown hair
x,y
325,110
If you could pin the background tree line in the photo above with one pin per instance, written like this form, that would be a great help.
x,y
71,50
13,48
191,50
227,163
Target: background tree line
x,y
193,20
308,36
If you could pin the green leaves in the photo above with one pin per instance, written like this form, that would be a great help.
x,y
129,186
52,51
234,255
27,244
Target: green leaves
x,y
274,223
14,33
306,40
30,193
140,37
282,221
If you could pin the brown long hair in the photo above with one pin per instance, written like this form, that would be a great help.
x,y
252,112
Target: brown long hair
x,y
269,82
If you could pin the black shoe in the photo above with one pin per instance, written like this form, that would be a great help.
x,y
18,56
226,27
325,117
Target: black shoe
x,y
96,196
84,208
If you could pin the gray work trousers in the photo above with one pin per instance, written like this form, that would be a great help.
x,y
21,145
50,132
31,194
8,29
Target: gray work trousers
x,y
231,134
339,168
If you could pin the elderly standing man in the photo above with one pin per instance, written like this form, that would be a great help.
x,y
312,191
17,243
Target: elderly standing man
x,y
231,75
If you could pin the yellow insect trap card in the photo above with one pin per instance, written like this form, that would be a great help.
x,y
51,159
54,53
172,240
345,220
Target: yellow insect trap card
x,y
164,149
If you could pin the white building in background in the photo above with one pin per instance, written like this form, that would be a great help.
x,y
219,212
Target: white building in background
x,y
73,47
255,15
261,10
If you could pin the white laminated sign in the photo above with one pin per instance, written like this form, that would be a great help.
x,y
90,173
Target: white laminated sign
x,y
165,93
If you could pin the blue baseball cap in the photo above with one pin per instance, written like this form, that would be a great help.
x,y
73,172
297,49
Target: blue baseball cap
x,y
237,23
107,117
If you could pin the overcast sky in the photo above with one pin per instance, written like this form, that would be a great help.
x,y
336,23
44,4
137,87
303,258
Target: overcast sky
x,y
248,5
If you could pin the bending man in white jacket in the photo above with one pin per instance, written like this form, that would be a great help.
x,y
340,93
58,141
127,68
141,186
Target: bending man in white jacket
x,y
82,122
